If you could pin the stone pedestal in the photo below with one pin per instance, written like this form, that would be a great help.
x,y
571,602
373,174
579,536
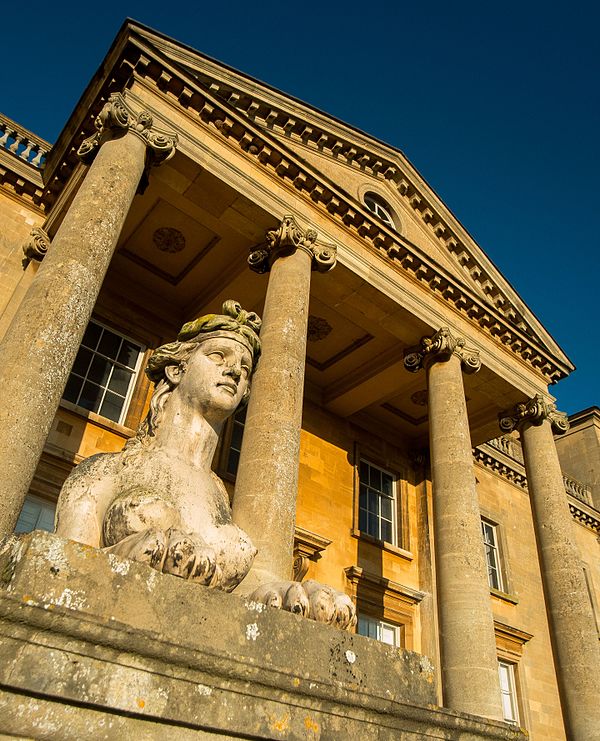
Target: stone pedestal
x,y
468,648
571,620
93,646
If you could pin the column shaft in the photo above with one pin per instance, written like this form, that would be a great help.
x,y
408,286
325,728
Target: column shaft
x,y
469,663
266,488
40,345
572,625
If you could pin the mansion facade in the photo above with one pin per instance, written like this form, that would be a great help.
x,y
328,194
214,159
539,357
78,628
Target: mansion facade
x,y
412,434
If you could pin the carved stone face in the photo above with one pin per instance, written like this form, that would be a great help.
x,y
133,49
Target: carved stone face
x,y
217,377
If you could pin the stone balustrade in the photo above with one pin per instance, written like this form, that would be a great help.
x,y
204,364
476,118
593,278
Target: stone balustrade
x,y
508,446
22,143
578,490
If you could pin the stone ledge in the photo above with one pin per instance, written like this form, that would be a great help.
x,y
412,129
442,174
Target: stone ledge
x,y
96,646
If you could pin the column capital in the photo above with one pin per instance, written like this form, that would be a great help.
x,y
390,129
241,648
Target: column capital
x,y
36,246
118,116
285,240
440,347
535,410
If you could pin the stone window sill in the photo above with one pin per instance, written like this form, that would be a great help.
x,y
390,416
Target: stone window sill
x,y
97,419
504,596
384,545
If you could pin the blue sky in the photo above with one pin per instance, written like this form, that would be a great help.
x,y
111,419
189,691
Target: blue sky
x,y
496,104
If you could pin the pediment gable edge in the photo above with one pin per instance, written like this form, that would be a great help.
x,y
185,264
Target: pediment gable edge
x,y
353,148
181,87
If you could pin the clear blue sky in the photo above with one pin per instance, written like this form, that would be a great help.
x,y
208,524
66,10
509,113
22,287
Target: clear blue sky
x,y
497,105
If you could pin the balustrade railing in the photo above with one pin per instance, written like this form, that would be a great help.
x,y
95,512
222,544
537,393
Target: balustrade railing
x,y
508,446
578,490
22,143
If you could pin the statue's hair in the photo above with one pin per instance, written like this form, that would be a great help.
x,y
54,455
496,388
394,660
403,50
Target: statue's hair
x,y
233,319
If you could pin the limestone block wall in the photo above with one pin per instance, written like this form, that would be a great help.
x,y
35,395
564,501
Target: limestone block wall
x,y
522,608
17,220
327,505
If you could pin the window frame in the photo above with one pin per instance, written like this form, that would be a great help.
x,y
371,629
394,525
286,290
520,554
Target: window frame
x,y
133,383
495,550
44,504
379,624
380,495
510,647
393,467
225,444
512,692
382,210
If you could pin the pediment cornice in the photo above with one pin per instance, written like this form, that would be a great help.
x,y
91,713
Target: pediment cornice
x,y
244,122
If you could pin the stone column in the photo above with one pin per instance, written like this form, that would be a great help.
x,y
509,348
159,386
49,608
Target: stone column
x,y
40,345
470,681
266,487
572,624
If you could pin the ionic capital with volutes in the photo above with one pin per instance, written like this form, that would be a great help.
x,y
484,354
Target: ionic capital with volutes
x,y
116,117
36,246
441,346
287,239
535,410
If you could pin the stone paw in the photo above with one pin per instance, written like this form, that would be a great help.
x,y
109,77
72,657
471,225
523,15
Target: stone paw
x,y
172,552
309,599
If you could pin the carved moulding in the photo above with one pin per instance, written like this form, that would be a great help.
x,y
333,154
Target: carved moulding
x,y
117,116
441,346
308,547
285,240
535,410
36,246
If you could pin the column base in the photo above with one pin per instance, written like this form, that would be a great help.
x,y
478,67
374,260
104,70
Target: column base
x,y
92,646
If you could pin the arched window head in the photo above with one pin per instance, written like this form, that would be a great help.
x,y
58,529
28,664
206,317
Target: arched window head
x,y
380,208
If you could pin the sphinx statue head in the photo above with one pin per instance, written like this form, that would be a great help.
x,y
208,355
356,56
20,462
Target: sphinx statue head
x,y
226,346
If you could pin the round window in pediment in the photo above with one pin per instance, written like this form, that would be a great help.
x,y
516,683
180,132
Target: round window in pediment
x,y
381,209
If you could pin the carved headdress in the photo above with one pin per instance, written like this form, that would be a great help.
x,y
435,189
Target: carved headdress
x,y
234,322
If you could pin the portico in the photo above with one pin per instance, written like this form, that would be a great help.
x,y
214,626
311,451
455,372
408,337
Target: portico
x,y
237,179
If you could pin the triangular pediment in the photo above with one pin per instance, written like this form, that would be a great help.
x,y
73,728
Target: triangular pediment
x,y
335,164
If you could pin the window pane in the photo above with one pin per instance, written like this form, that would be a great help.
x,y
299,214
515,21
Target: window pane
x,y
90,397
99,370
386,508
72,389
92,335
128,354
82,361
233,461
372,525
111,406
363,521
35,515
119,381
386,531
375,478
506,673
364,472
93,376
109,344
388,634
373,502
387,484
237,435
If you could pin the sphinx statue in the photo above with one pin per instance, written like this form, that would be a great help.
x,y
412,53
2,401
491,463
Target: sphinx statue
x,y
158,500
